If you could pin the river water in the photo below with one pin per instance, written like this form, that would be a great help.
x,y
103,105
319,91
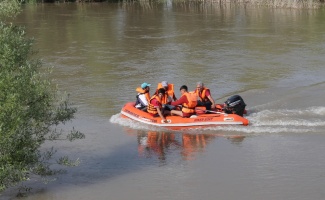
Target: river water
x,y
273,58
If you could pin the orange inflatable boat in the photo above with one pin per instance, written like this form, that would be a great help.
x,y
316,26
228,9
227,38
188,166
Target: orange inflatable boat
x,y
200,119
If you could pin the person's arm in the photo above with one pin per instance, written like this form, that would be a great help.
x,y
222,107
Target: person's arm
x,y
169,99
180,101
174,97
161,115
157,105
213,105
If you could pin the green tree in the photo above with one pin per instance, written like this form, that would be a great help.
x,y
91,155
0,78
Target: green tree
x,y
31,107
9,8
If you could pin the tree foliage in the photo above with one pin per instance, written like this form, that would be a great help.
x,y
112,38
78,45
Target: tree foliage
x,y
9,8
30,105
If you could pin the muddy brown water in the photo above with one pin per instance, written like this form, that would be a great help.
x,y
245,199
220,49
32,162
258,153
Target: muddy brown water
x,y
273,58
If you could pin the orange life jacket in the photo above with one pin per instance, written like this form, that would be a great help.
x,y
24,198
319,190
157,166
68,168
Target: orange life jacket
x,y
142,91
202,95
169,92
151,108
192,102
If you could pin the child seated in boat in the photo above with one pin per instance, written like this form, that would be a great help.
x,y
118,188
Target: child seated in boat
x,y
188,101
155,107
143,96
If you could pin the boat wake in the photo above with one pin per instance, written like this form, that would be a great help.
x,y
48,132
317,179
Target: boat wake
x,y
308,120
283,120
118,119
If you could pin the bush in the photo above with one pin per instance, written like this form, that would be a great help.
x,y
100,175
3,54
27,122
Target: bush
x,y
30,108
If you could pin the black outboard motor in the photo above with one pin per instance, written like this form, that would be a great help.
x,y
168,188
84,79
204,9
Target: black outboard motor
x,y
235,105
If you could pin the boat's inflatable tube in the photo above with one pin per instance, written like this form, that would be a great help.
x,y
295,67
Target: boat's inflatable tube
x,y
201,119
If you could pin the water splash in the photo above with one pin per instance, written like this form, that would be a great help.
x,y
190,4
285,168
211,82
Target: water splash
x,y
317,110
283,120
118,119
251,129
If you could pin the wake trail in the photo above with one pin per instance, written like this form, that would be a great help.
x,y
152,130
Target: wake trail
x,y
308,120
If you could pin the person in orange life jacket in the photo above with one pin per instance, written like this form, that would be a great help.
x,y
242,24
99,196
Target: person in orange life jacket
x,y
155,105
188,102
169,94
143,96
205,96
169,88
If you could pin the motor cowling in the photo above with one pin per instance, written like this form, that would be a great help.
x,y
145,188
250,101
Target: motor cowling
x,y
235,105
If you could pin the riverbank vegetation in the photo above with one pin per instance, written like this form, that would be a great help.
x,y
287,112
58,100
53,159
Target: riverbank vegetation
x,y
31,107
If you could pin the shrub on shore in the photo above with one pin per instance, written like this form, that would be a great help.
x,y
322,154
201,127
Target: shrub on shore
x,y
30,105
